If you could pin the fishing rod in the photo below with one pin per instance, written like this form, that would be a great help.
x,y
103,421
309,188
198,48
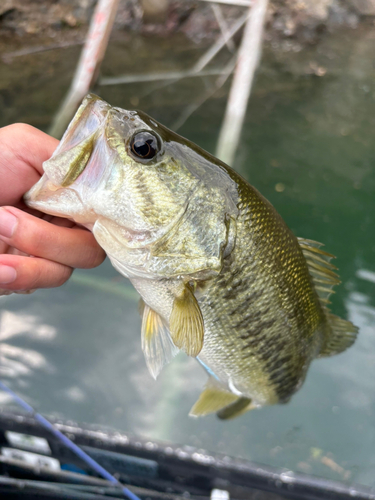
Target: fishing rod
x,y
69,444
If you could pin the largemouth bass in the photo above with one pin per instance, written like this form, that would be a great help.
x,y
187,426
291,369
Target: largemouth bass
x,y
220,274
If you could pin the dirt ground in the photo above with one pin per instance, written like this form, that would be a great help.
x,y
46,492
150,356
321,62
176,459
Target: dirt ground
x,y
26,24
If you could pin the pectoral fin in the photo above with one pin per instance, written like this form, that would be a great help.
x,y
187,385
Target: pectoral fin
x,y
157,344
213,398
186,323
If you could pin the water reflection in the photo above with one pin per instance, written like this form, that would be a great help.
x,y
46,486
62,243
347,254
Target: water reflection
x,y
75,393
359,372
18,361
22,324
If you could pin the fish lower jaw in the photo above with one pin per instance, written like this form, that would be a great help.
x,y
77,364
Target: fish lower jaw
x,y
51,199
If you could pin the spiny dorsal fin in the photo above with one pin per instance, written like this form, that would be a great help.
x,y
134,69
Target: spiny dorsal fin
x,y
213,398
342,333
157,344
320,268
186,323
342,336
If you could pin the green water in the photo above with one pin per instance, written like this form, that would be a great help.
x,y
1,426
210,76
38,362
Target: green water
x,y
308,146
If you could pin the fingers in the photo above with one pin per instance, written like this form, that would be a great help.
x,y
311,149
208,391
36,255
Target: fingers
x,y
3,247
27,144
73,247
23,150
26,273
57,246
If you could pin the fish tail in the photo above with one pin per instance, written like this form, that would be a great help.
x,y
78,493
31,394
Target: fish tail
x,y
341,336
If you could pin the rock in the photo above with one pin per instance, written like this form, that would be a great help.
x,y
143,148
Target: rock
x,y
364,7
6,6
342,14
70,20
302,19
155,10
316,9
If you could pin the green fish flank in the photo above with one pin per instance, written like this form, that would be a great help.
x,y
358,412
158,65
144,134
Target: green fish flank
x,y
220,274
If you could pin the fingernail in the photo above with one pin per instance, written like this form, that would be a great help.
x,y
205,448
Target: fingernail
x,y
7,275
8,223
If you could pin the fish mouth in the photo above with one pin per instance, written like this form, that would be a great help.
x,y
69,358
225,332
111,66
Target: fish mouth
x,y
58,199
40,192
47,187
51,194
46,197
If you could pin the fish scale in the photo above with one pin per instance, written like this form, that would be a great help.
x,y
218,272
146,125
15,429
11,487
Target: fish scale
x,y
255,299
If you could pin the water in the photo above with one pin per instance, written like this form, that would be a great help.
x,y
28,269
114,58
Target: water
x,y
308,146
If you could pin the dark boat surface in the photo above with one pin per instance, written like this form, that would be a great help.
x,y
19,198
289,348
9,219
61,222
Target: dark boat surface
x,y
151,470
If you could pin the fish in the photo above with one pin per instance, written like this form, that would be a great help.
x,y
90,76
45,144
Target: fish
x,y
220,275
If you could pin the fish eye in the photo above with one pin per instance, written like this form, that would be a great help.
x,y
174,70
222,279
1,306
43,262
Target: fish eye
x,y
144,145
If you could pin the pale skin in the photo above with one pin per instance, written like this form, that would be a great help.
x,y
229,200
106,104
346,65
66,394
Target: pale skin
x,y
36,250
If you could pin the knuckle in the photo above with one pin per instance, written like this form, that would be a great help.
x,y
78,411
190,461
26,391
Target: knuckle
x,y
62,276
35,236
46,274
94,258
35,275
14,129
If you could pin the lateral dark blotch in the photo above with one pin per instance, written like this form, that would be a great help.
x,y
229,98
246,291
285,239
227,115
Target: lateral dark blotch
x,y
258,328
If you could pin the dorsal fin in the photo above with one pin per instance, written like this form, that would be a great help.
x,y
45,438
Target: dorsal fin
x,y
341,333
320,268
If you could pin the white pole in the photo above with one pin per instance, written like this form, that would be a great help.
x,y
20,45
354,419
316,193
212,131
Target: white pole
x,y
248,58
88,65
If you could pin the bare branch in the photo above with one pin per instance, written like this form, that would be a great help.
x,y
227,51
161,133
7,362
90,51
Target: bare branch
x,y
223,26
226,72
196,70
153,77
218,45
8,56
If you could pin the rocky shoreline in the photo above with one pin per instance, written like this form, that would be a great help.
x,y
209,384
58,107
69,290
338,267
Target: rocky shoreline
x,y
291,23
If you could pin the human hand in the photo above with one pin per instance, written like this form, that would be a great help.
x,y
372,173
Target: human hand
x,y
36,250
